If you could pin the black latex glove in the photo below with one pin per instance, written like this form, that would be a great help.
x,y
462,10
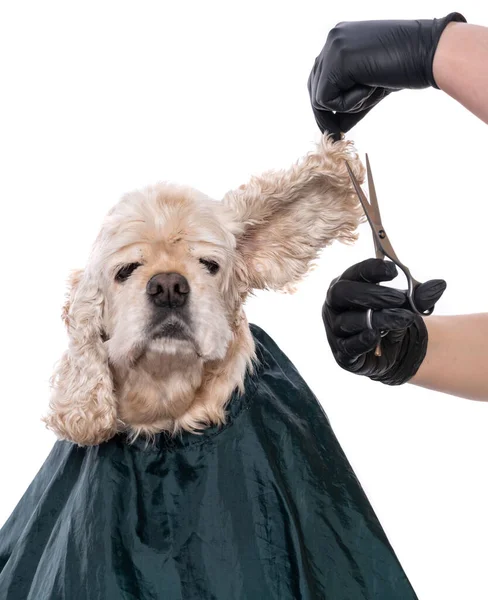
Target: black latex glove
x,y
353,342
363,61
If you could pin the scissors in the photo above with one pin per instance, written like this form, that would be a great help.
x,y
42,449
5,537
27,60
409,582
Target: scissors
x,y
382,244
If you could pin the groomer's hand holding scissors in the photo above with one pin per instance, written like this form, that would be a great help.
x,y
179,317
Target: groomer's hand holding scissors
x,y
361,316
357,311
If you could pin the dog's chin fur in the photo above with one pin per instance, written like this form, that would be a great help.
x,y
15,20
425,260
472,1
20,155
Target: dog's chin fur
x,y
167,346
177,390
131,368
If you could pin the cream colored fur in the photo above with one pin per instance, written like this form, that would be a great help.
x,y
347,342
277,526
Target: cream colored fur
x,y
114,376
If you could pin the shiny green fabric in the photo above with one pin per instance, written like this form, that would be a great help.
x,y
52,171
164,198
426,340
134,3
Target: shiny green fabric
x,y
265,508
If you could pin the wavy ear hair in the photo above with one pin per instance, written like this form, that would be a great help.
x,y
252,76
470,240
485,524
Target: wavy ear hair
x,y
282,219
83,405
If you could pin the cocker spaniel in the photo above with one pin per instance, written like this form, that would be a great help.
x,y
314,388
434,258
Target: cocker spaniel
x,y
158,340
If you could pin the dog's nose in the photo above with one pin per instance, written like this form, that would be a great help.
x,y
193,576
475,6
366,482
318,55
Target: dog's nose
x,y
168,289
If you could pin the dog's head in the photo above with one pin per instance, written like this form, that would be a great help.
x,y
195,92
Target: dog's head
x,y
157,335
164,262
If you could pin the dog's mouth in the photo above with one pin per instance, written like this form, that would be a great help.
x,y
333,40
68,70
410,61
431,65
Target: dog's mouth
x,y
173,329
172,334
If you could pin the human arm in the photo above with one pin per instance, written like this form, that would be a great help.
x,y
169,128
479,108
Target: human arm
x,y
457,356
461,66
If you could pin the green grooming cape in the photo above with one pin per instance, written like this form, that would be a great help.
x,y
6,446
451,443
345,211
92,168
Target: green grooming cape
x,y
265,508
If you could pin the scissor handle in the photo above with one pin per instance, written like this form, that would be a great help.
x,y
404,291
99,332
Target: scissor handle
x,y
412,286
385,249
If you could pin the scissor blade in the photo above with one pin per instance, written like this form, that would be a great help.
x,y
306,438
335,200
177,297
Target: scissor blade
x,y
378,250
373,198
375,211
368,211
361,195
382,244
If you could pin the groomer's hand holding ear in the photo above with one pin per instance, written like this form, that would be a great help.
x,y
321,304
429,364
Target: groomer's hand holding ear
x,y
353,334
363,61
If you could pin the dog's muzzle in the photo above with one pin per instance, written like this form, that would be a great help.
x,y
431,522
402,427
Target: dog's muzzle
x,y
169,293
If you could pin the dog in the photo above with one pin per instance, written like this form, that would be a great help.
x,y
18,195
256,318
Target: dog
x,y
158,339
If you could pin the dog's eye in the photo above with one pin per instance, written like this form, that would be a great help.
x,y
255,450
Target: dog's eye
x,y
211,266
126,271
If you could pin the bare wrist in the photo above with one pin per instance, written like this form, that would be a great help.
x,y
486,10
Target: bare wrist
x,y
443,58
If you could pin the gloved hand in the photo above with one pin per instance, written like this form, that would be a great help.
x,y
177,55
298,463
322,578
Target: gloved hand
x,y
363,61
352,340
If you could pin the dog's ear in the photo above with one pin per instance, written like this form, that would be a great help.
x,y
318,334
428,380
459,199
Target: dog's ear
x,y
283,219
82,404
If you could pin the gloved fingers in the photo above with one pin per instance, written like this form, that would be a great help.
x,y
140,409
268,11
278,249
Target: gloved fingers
x,y
351,322
427,294
347,120
352,100
392,319
326,120
366,98
340,122
344,295
350,349
372,270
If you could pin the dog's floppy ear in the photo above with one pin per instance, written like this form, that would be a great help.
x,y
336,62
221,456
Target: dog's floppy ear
x,y
82,405
283,219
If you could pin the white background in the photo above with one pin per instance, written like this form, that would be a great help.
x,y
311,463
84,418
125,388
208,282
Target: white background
x,y
98,98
